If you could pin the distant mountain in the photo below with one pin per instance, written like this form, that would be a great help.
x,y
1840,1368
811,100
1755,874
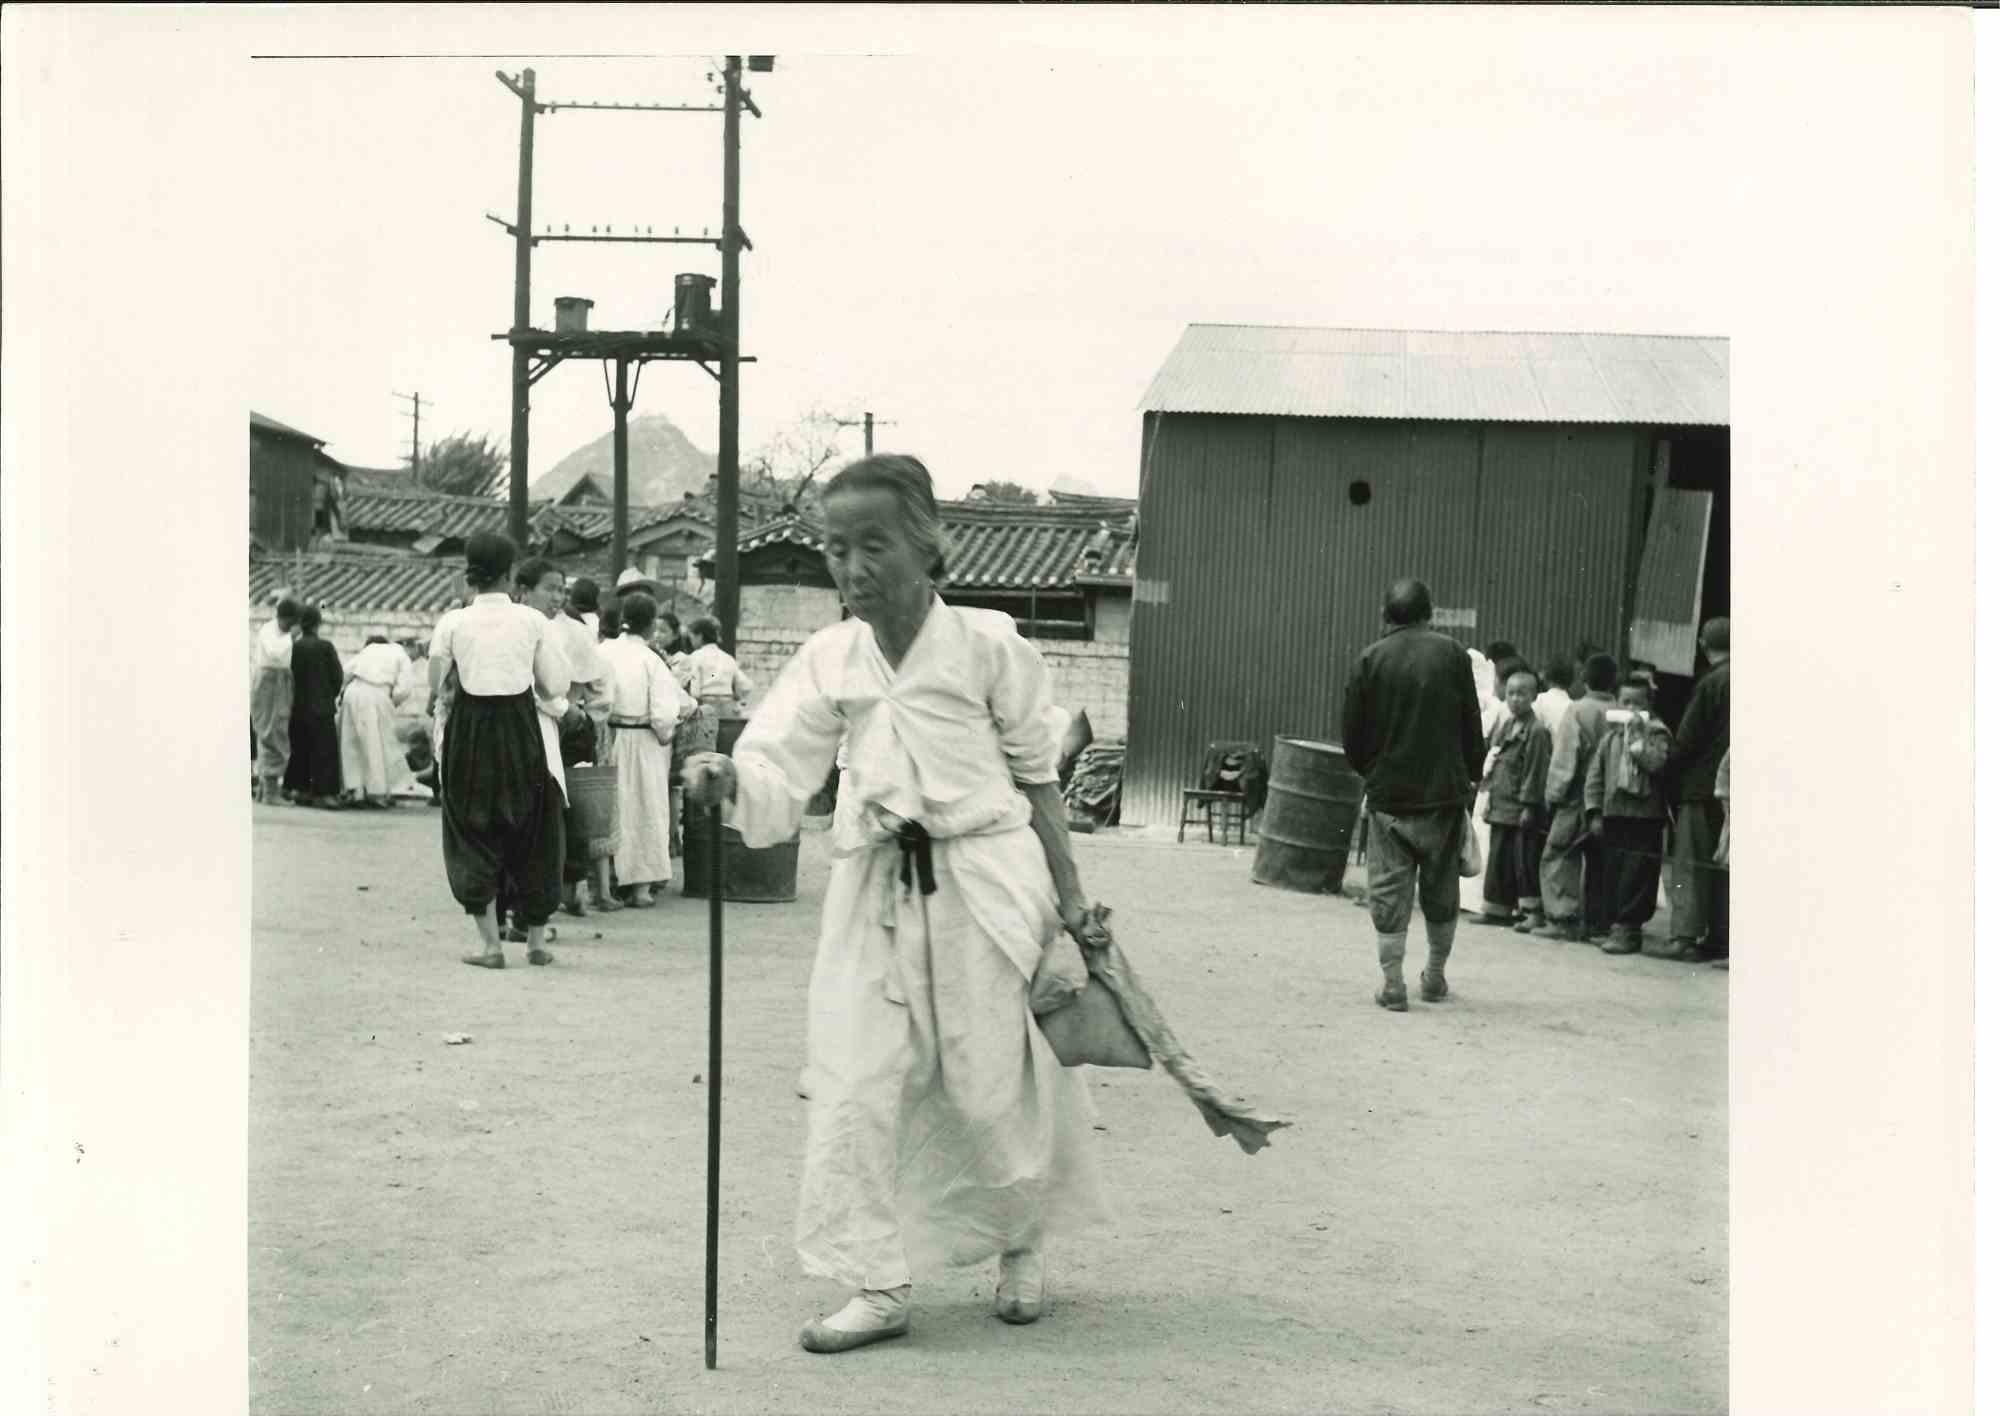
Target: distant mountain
x,y
663,464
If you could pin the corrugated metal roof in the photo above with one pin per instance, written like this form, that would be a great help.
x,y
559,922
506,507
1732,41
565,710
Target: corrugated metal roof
x,y
1470,376
260,424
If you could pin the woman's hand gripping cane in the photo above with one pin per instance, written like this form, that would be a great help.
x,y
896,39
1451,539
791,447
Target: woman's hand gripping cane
x,y
710,779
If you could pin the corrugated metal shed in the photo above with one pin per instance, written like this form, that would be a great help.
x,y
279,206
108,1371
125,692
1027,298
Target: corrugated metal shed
x,y
1470,377
1260,579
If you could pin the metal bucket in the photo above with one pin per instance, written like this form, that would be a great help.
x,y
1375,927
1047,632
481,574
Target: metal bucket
x,y
593,807
1309,818
755,876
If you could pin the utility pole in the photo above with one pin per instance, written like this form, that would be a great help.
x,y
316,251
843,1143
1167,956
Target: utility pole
x,y
621,472
524,226
416,401
727,591
867,425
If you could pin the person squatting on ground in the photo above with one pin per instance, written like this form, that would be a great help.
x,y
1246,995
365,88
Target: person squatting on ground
x,y
1699,890
503,818
1514,784
1575,889
1411,725
942,1128
379,678
646,705
312,776
271,700
1627,811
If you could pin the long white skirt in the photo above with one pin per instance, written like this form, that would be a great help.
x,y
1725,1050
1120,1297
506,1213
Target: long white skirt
x,y
942,1129
645,807
371,755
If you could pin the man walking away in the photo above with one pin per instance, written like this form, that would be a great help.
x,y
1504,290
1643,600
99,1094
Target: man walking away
x,y
1410,725
1699,893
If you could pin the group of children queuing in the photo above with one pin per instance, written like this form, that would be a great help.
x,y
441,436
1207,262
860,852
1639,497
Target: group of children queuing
x,y
1584,783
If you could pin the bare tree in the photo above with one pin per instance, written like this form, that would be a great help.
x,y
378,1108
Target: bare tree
x,y
797,454
463,466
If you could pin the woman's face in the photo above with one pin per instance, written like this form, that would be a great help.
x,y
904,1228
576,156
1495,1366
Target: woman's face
x,y
880,569
546,594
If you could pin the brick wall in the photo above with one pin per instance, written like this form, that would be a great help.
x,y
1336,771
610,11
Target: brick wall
x,y
1093,676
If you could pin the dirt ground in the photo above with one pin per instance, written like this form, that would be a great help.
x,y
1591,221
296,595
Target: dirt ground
x,y
1514,1201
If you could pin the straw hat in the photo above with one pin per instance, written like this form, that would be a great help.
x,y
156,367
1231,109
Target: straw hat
x,y
630,579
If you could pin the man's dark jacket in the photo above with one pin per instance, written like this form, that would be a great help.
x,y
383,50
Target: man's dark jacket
x,y
1410,724
1702,739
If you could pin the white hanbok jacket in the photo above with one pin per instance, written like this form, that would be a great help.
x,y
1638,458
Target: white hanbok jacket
x,y
942,1127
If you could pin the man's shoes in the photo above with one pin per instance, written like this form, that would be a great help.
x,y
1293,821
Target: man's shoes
x,y
1396,999
1531,922
1500,920
1560,929
872,1315
1721,963
1432,989
1692,951
1017,1298
1622,941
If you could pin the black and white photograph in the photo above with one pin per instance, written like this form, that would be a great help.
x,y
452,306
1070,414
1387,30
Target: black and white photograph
x,y
1035,718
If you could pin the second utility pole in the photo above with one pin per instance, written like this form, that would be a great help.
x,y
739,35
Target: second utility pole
x,y
524,225
727,591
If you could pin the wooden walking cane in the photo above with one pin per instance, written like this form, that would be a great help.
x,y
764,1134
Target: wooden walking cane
x,y
714,1066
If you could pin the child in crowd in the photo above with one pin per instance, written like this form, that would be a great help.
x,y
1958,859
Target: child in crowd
x,y
1519,756
1722,844
1627,810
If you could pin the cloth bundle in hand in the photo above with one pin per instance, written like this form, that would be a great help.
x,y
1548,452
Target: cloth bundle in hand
x,y
1114,1022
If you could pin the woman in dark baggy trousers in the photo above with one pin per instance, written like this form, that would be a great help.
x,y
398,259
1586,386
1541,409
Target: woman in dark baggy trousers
x,y
503,814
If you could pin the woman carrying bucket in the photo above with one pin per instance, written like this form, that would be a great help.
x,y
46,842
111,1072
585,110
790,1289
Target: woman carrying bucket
x,y
942,1128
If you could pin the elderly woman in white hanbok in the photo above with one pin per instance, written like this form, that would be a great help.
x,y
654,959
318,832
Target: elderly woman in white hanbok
x,y
942,1129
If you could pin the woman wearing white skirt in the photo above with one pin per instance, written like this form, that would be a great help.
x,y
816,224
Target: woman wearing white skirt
x,y
371,753
942,1129
646,703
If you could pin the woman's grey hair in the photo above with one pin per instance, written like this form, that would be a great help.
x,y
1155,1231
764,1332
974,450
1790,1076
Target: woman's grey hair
x,y
909,481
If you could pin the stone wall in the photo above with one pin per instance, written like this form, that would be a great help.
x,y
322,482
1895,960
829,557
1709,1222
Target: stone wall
x,y
348,630
1092,675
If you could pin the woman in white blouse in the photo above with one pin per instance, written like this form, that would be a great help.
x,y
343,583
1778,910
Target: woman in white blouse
x,y
646,703
942,1128
378,681
503,812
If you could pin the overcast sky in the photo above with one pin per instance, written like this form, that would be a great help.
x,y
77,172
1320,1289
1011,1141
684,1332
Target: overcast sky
x,y
992,250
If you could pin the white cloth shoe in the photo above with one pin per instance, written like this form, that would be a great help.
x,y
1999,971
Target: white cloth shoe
x,y
1018,1296
871,1315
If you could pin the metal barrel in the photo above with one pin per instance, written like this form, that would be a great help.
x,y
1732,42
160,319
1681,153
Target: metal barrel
x,y
1309,816
763,876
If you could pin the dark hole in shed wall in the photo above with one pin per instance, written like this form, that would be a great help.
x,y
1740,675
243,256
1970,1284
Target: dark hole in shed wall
x,y
1700,463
